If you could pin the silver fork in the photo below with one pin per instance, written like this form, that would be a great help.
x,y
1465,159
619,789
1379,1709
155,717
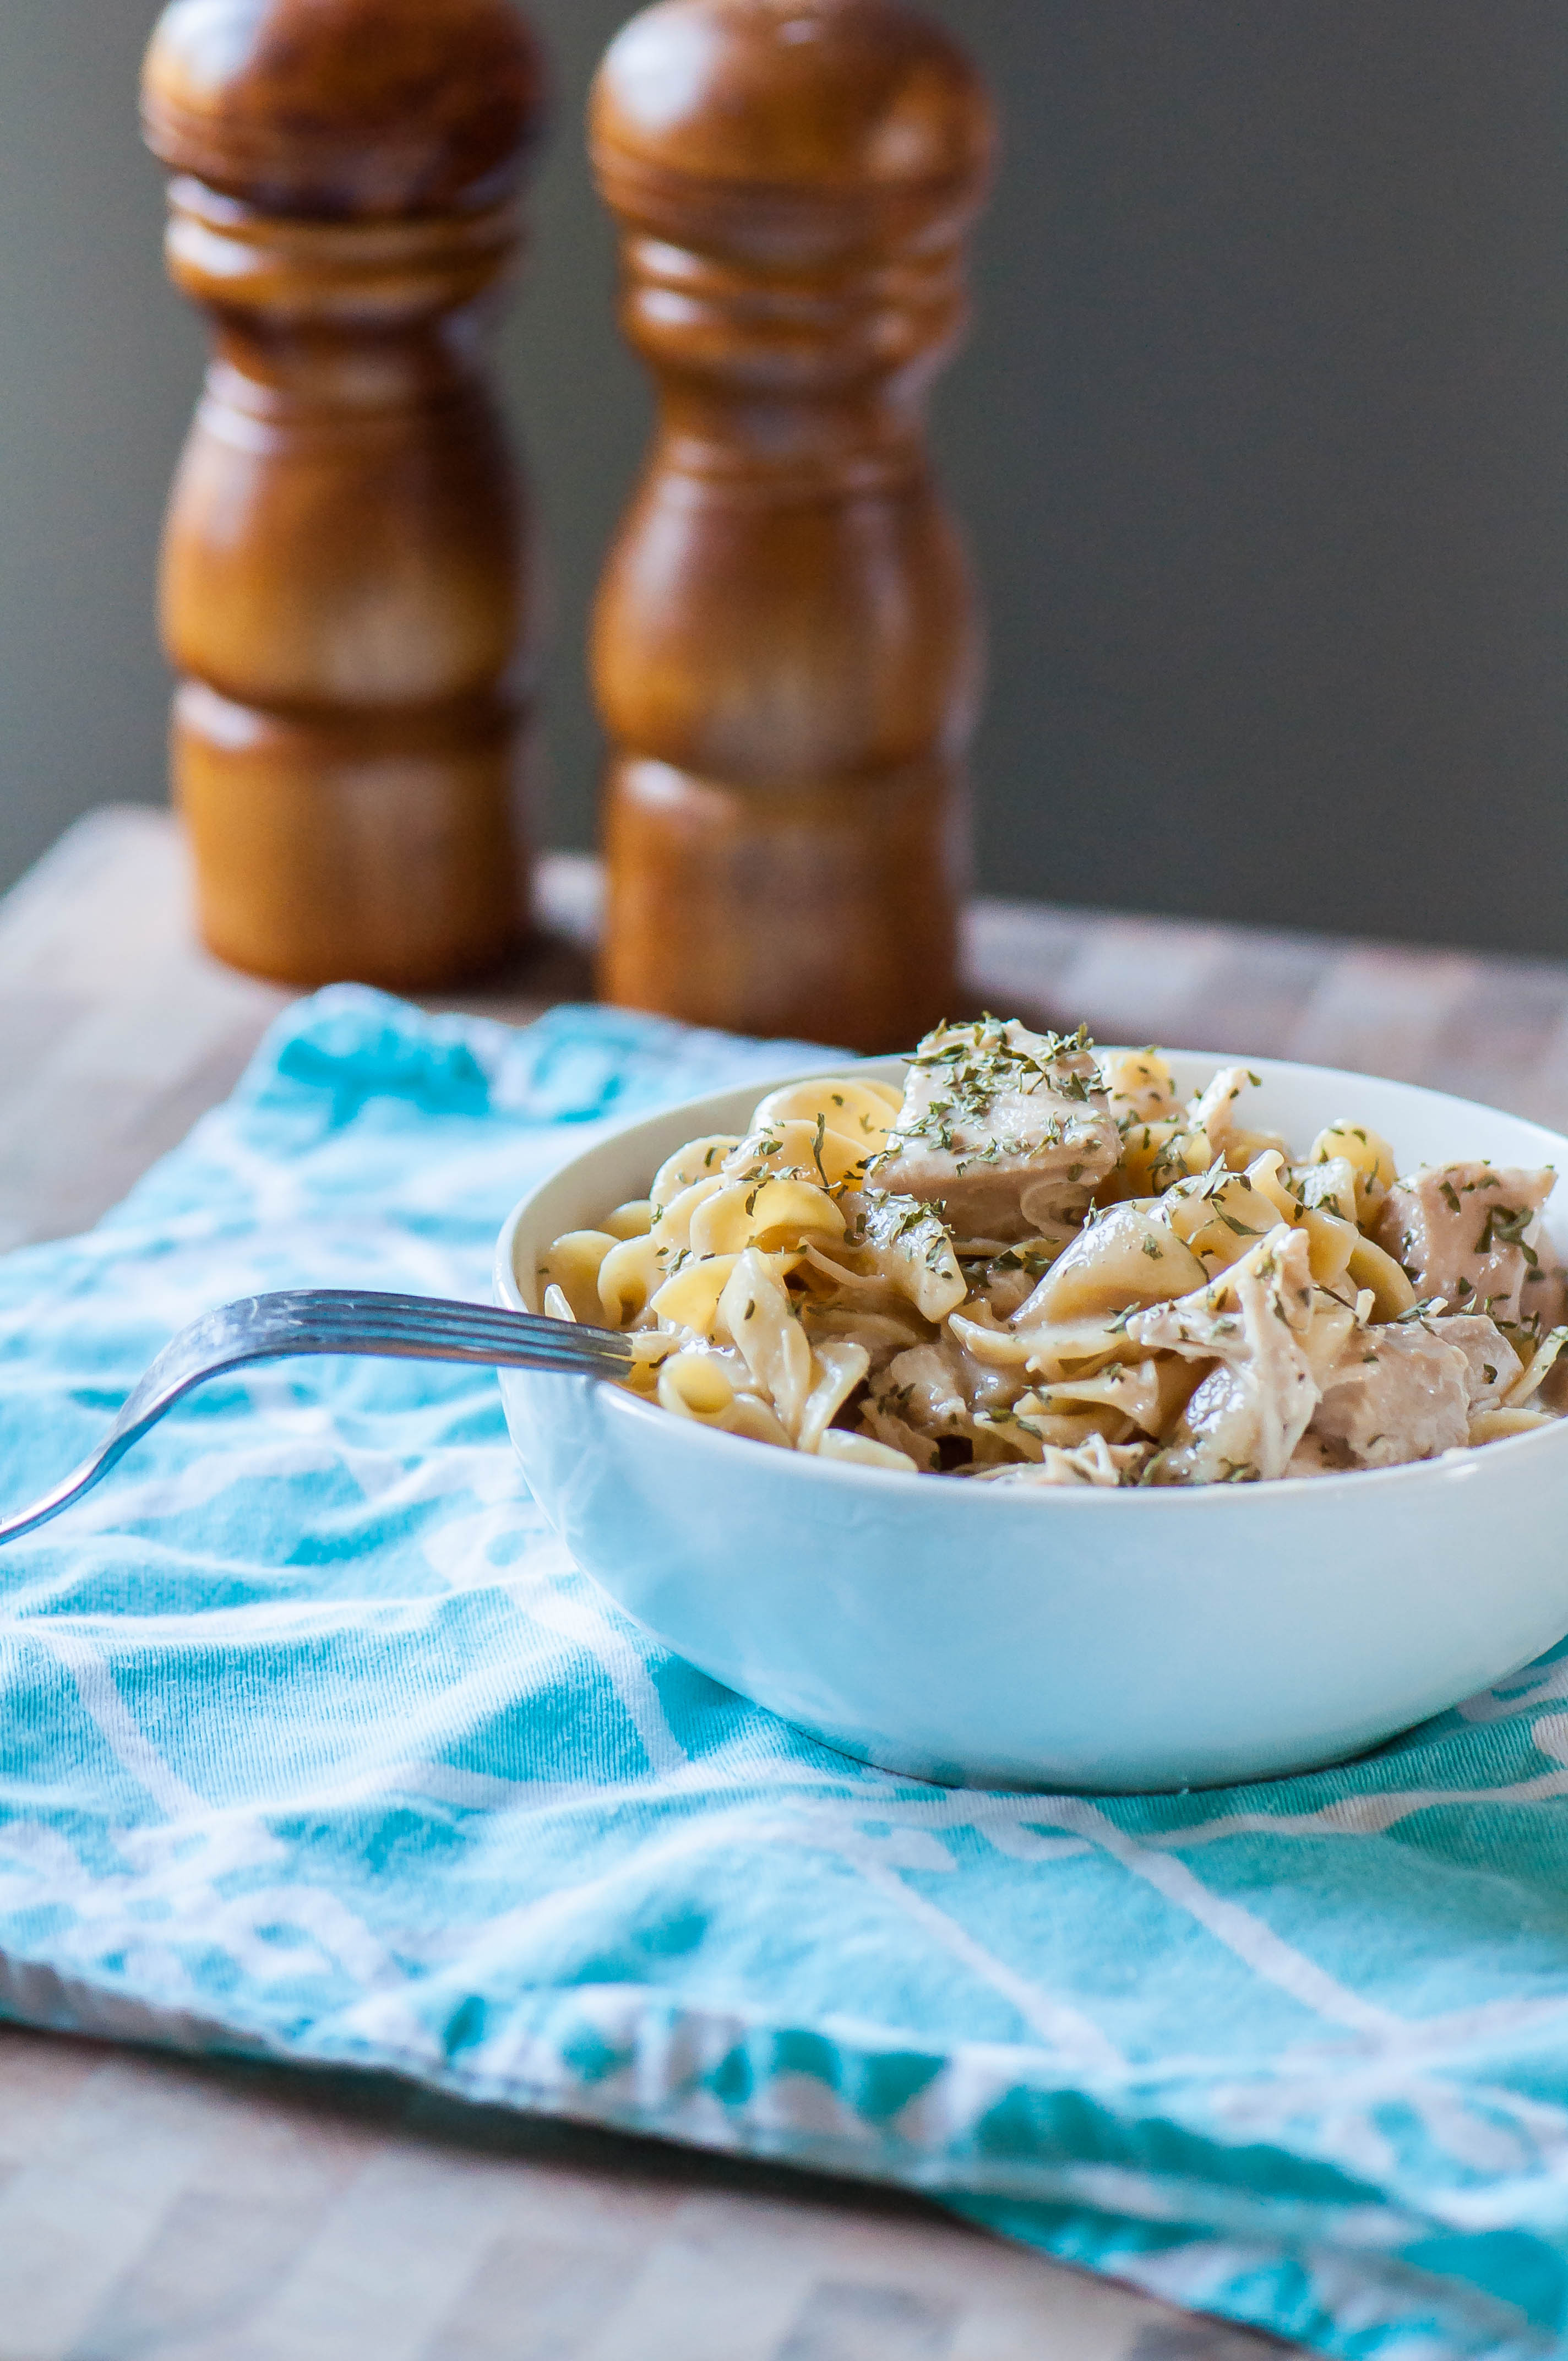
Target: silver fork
x,y
332,1320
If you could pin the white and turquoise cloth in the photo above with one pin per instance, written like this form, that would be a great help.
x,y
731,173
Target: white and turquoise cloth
x,y
313,1743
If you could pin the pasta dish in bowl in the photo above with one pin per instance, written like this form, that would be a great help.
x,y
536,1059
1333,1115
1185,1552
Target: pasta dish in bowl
x,y
1025,1413
1034,1265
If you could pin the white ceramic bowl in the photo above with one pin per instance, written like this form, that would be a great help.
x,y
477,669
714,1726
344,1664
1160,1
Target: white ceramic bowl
x,y
1088,1639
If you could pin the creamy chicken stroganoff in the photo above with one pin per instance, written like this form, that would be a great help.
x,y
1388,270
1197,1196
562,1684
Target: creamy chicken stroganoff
x,y
1038,1265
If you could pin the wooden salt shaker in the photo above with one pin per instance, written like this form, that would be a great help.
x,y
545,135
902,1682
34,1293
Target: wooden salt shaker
x,y
346,587
787,649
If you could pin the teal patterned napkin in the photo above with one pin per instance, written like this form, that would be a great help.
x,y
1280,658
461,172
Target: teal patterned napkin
x,y
313,1743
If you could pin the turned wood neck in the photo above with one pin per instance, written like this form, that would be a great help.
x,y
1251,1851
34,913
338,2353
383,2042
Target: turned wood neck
x,y
317,320
355,277
796,339
799,375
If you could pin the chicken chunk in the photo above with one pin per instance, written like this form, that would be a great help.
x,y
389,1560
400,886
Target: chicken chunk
x,y
1545,1295
1406,1391
1400,1393
1254,1322
1008,1130
1491,1361
1467,1233
1318,1454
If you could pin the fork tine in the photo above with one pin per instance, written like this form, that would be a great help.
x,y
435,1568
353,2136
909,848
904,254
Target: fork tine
x,y
491,1350
428,1320
264,1326
483,1352
551,1335
318,1305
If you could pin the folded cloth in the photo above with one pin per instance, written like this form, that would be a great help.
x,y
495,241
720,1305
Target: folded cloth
x,y
313,1743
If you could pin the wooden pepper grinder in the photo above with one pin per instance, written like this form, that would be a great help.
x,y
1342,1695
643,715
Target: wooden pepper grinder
x,y
786,648
346,588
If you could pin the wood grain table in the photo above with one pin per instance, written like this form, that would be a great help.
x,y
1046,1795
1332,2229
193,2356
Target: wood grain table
x,y
157,2209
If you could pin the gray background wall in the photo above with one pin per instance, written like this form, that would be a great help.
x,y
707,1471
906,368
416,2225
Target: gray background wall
x,y
1262,439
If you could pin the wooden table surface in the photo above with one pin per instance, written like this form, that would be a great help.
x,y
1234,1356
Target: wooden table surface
x,y
171,2210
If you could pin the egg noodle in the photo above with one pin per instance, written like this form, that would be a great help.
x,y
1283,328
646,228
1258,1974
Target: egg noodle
x,y
1036,1265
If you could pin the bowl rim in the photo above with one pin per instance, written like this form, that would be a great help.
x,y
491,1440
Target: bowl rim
x,y
1458,1465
